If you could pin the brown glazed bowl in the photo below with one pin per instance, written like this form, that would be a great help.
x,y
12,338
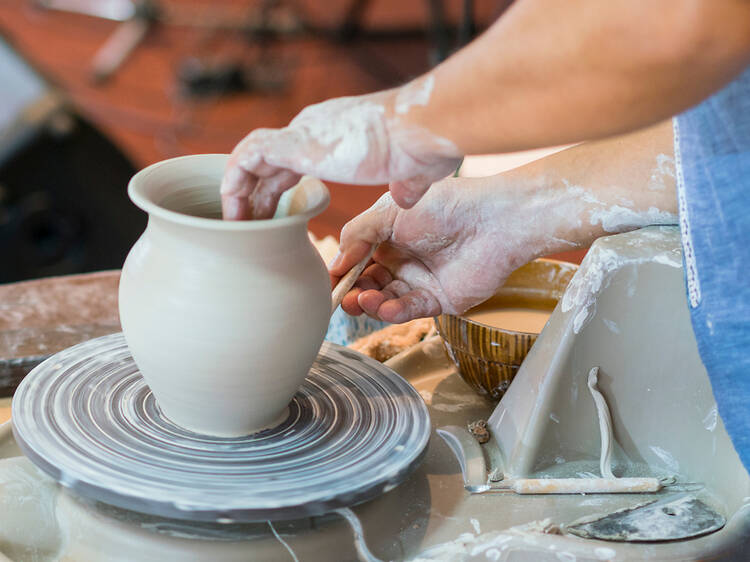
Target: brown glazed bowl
x,y
487,357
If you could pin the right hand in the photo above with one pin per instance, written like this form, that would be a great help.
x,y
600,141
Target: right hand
x,y
450,252
360,140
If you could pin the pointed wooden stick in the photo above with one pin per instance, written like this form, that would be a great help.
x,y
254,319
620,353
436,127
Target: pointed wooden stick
x,y
347,281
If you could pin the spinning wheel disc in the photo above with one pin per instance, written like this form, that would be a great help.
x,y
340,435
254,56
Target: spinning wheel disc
x,y
85,416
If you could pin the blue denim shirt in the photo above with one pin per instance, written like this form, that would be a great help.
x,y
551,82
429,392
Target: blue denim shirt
x,y
712,157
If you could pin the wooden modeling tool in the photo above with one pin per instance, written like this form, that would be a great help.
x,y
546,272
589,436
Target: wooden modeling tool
x,y
347,281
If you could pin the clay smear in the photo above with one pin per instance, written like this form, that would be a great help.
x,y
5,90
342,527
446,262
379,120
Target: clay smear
x,y
602,263
416,93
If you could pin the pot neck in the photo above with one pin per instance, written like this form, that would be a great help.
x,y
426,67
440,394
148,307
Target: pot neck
x,y
241,244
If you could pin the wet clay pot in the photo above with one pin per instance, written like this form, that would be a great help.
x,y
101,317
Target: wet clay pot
x,y
223,319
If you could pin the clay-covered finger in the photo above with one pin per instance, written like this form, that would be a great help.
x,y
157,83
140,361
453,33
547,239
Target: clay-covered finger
x,y
379,275
414,304
269,190
367,283
264,152
237,181
345,260
257,165
292,149
235,208
397,287
407,193
350,304
358,236
247,164
370,301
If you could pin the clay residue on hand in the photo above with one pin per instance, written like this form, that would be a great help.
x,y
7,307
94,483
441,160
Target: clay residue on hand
x,y
415,93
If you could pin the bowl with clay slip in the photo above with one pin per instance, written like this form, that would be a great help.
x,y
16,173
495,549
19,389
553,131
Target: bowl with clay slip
x,y
489,342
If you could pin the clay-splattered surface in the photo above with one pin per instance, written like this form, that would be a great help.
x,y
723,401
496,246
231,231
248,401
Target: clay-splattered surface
x,y
40,317
47,315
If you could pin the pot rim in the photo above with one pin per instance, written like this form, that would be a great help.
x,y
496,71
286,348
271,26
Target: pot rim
x,y
136,192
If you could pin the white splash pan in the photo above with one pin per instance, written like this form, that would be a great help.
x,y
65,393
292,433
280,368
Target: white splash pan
x,y
635,326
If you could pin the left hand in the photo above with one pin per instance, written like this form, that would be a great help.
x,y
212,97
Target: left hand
x,y
360,140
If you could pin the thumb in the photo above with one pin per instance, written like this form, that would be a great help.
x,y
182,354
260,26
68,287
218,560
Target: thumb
x,y
361,233
406,193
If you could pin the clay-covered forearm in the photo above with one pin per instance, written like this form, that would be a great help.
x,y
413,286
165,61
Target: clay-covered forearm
x,y
459,243
597,188
549,73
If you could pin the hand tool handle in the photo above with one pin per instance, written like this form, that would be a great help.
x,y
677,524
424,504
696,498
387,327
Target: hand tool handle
x,y
118,48
585,485
348,280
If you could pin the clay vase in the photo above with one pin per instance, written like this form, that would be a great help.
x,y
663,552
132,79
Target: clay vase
x,y
223,319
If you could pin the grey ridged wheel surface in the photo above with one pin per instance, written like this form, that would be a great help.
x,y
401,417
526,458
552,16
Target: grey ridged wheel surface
x,y
86,416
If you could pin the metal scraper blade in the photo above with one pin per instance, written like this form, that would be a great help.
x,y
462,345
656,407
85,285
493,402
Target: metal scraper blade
x,y
669,519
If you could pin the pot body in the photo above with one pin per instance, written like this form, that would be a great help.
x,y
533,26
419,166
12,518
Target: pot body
x,y
223,322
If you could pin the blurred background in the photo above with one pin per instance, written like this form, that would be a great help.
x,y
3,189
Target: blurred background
x,y
93,90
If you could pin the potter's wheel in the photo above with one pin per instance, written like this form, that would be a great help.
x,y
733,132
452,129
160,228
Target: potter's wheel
x,y
86,417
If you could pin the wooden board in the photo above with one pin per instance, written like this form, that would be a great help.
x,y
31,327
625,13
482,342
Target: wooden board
x,y
41,317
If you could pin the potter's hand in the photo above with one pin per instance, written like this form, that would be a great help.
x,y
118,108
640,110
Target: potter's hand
x,y
455,247
362,140
450,251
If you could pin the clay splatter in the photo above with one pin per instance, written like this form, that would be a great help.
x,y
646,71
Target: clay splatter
x,y
711,419
606,258
669,461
